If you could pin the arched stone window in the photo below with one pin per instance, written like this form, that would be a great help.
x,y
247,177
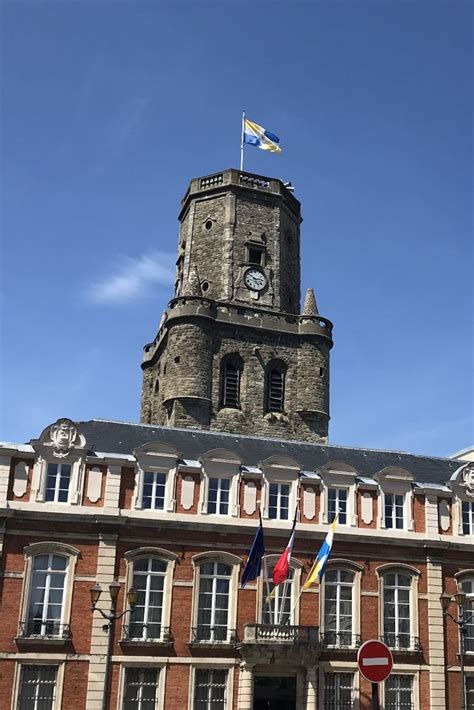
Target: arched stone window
x,y
150,571
48,579
215,597
275,386
231,375
465,582
399,606
340,593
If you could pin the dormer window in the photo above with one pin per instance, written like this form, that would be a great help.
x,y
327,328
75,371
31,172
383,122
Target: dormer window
x,y
337,502
154,488
58,479
467,510
394,507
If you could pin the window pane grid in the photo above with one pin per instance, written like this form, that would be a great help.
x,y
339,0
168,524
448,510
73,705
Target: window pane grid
x,y
399,692
213,601
337,501
338,691
46,595
210,690
397,620
468,518
140,689
394,511
37,688
154,485
218,496
470,692
148,580
279,498
280,603
338,602
58,477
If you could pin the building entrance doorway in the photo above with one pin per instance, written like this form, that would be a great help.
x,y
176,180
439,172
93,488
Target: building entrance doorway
x,y
274,693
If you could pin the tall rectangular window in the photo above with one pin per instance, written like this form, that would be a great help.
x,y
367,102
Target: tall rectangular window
x,y
337,502
276,602
37,687
278,503
467,586
45,605
58,478
394,511
148,579
140,688
399,692
154,485
213,602
396,610
218,496
210,690
467,517
338,607
338,691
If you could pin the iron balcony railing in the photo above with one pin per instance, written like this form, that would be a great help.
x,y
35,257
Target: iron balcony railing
x,y
148,633
212,634
281,633
36,628
401,642
340,639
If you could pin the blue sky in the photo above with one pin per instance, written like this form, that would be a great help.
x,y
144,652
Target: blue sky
x,y
110,108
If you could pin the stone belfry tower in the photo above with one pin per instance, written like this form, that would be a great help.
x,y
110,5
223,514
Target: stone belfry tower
x,y
234,352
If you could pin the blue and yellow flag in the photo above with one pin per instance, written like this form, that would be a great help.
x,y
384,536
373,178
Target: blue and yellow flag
x,y
319,565
259,137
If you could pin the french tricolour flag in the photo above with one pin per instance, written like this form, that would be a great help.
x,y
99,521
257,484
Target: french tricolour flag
x,y
282,567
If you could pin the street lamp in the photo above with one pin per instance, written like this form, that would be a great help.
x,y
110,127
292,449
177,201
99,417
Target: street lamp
x,y
111,617
462,621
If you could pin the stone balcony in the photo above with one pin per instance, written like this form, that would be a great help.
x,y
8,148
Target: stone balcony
x,y
269,643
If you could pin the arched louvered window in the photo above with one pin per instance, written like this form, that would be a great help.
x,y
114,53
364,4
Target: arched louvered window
x,y
275,388
230,383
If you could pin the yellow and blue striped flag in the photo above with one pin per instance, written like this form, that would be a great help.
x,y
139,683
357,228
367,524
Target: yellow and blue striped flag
x,y
319,565
259,137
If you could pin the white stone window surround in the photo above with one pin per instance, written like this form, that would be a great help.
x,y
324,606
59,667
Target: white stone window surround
x,y
221,667
270,561
170,558
220,463
461,484
280,469
156,458
46,548
144,664
466,579
398,670
356,569
339,475
326,667
226,558
396,481
39,661
458,514
76,481
414,575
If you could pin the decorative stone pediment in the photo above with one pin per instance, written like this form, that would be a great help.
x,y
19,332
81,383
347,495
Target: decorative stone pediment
x,y
60,439
464,479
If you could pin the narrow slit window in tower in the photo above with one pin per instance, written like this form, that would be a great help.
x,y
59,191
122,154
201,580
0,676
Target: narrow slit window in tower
x,y
275,391
231,386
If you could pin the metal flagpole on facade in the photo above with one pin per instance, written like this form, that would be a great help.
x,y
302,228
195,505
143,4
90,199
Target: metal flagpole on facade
x,y
265,570
242,142
285,586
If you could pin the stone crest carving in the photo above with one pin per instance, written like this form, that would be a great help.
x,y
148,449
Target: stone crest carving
x,y
468,479
63,435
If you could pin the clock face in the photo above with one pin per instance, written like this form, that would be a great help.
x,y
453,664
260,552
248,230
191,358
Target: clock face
x,y
255,279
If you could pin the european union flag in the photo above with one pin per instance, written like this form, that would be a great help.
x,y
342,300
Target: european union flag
x,y
254,561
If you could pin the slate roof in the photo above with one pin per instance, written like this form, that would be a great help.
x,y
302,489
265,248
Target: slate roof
x,y
123,438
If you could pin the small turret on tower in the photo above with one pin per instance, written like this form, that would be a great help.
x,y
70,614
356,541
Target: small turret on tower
x,y
309,307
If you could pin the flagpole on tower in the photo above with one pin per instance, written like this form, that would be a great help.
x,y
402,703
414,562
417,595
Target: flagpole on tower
x,y
242,142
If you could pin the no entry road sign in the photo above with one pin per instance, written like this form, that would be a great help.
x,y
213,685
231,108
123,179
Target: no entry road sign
x,y
375,661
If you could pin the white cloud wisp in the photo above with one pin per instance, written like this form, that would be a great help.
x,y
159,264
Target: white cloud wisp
x,y
132,278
